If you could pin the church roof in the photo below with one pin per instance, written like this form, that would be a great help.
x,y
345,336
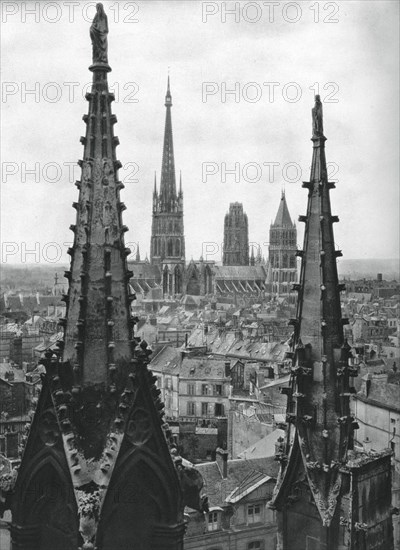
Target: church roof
x,y
240,272
145,271
283,217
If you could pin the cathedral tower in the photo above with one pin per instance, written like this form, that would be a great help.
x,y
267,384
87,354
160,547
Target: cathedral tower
x,y
167,247
236,236
328,496
282,272
98,471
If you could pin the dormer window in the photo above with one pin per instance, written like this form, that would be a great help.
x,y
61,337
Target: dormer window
x,y
253,513
213,521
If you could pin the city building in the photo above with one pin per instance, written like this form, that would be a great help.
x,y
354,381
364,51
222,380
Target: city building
x,y
238,517
196,391
328,495
376,408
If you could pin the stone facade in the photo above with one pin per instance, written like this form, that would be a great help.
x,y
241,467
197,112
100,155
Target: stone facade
x,y
282,260
236,236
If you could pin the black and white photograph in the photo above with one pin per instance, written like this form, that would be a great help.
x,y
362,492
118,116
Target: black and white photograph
x,y
200,275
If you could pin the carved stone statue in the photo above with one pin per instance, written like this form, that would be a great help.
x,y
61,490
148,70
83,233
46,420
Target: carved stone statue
x,y
98,35
318,129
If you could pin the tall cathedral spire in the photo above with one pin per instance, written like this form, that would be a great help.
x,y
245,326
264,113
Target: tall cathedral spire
x,y
167,235
318,402
168,196
98,434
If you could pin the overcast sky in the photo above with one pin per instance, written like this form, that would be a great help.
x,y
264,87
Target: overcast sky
x,y
271,55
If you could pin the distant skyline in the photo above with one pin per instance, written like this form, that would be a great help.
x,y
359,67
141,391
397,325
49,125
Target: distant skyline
x,y
275,66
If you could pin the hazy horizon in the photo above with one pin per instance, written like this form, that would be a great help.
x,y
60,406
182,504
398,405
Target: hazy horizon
x,y
349,57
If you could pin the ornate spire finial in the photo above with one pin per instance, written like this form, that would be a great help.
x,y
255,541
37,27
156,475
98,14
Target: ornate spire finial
x,y
98,35
317,118
155,183
168,97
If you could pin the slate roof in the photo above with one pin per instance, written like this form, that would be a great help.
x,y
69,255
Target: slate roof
x,y
253,480
240,272
145,271
168,360
283,216
229,344
218,489
283,380
145,276
202,369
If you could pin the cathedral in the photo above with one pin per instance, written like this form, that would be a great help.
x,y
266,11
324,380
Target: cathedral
x,y
168,275
167,247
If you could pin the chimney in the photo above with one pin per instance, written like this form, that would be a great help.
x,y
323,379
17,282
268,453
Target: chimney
x,y
227,369
221,458
367,444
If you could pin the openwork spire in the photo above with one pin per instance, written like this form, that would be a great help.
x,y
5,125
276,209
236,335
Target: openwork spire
x,y
167,233
168,197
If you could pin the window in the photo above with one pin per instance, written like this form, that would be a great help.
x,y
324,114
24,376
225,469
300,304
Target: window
x,y
219,409
253,513
212,524
204,409
191,409
191,389
218,389
255,545
204,389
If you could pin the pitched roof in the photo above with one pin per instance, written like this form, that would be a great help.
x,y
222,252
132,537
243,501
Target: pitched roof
x,y
145,271
240,272
168,360
251,482
264,447
283,216
202,369
219,489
